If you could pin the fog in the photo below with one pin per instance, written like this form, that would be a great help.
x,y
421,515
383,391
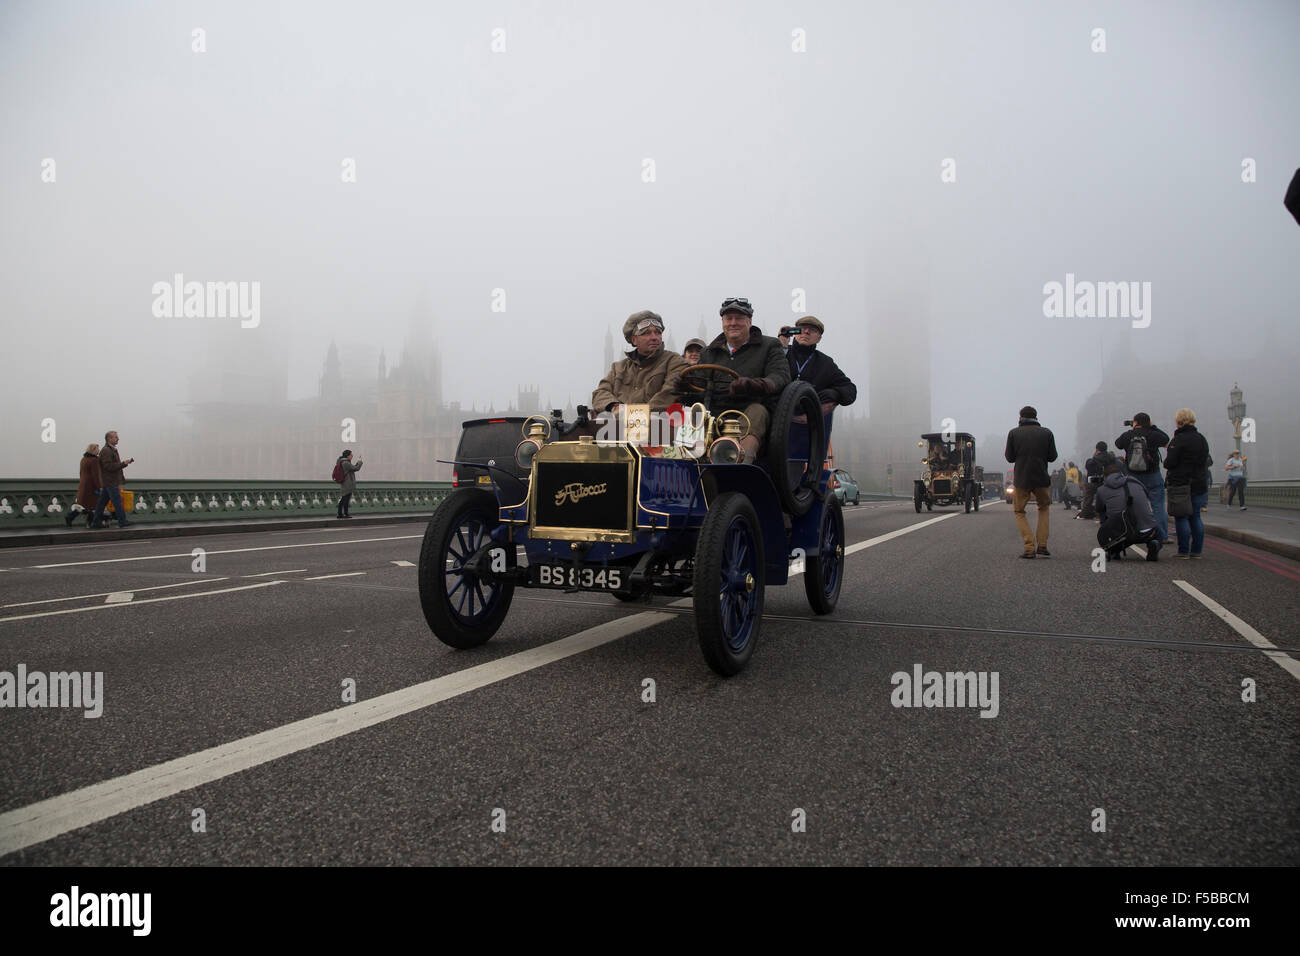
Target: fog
x,y
909,173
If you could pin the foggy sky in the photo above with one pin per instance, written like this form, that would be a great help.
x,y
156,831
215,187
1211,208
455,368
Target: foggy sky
x,y
523,170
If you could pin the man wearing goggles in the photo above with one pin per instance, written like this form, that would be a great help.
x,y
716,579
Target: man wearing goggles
x,y
648,375
762,366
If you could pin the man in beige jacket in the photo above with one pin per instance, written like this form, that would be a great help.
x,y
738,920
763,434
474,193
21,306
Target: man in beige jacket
x,y
648,376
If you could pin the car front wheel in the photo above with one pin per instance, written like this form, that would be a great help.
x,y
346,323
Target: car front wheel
x,y
462,609
728,590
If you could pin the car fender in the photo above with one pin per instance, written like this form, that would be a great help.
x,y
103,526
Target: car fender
x,y
753,482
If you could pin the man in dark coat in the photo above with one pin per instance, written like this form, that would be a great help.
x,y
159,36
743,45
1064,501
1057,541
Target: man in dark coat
x,y
1188,463
1031,447
819,370
761,364
111,468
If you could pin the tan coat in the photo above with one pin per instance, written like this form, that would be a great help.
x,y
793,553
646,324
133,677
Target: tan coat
x,y
636,381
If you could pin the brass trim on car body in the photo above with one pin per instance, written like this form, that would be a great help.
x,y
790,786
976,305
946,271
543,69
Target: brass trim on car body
x,y
580,451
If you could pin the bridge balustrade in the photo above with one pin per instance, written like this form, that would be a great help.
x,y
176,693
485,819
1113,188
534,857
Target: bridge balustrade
x,y
40,502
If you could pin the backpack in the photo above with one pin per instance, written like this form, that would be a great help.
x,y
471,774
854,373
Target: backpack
x,y
1117,530
1137,455
338,471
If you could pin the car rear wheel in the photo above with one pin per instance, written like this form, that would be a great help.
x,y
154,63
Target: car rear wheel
x,y
728,591
824,574
461,609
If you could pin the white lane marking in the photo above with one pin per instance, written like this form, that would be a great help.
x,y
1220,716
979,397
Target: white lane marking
x,y
105,607
882,538
345,574
120,597
78,597
404,564
186,554
271,574
1284,661
70,811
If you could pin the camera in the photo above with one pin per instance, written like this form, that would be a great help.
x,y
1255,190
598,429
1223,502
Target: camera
x,y
791,330
1128,423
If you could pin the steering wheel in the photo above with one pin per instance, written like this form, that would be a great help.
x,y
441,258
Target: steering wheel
x,y
691,386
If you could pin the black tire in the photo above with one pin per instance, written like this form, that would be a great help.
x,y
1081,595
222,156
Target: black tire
x,y
462,612
966,499
824,575
857,500
929,505
917,498
728,591
977,501
796,483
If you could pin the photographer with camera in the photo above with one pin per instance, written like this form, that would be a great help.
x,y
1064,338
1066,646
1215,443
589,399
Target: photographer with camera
x,y
1096,469
1141,445
818,369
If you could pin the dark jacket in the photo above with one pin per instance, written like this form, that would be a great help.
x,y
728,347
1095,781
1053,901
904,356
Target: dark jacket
x,y
819,370
1096,465
1188,460
90,483
111,468
1111,499
760,357
1031,447
1156,439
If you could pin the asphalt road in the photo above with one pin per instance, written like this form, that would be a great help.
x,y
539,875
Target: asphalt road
x,y
222,692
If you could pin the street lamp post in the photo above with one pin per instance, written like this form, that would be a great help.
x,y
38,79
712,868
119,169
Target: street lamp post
x,y
1236,412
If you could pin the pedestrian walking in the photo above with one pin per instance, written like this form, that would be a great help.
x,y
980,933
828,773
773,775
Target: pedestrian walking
x,y
1031,447
1236,468
345,473
111,470
1187,463
87,487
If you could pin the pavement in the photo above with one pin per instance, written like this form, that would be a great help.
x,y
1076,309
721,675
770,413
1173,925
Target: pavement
x,y
1269,529
284,702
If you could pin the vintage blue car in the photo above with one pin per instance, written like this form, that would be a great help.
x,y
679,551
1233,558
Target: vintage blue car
x,y
625,519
